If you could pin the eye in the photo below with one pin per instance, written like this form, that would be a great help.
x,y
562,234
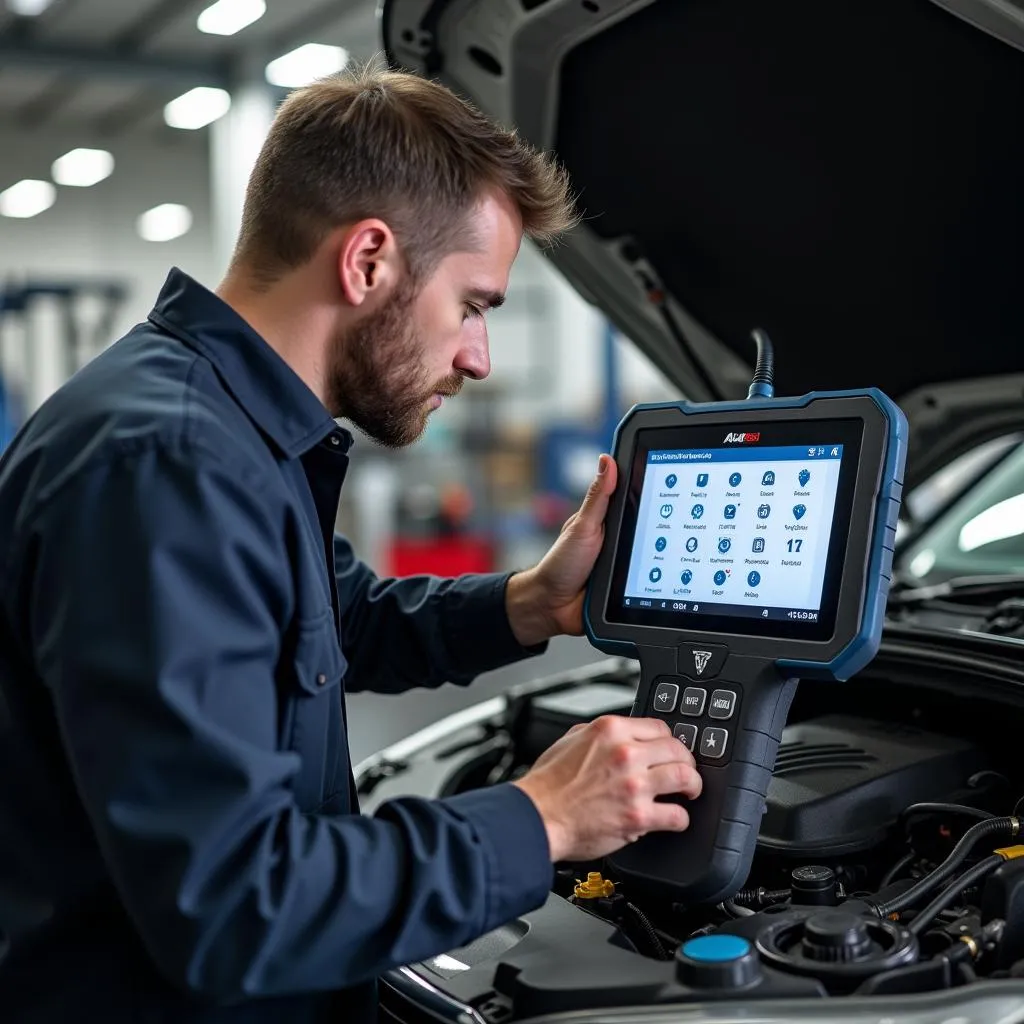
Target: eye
x,y
472,311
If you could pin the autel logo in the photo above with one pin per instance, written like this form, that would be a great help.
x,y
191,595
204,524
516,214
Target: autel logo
x,y
700,661
741,438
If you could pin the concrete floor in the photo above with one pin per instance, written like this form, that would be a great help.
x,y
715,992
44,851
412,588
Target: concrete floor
x,y
376,721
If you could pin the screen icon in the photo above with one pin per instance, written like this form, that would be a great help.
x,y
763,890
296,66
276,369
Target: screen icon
x,y
758,545
666,511
724,544
799,511
719,578
810,452
754,579
702,479
696,607
821,451
835,453
627,602
691,544
660,544
730,512
697,511
764,511
764,614
768,480
655,575
670,481
686,577
734,480
804,477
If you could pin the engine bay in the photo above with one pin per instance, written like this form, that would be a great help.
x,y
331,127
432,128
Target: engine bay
x,y
888,863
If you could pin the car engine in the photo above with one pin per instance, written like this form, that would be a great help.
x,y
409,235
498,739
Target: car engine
x,y
887,864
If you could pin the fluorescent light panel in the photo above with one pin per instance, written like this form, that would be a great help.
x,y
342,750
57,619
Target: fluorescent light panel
x,y
27,198
83,167
28,8
197,108
306,64
226,17
164,222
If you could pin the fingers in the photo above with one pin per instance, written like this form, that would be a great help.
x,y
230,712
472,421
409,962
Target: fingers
x,y
622,728
666,751
595,504
681,779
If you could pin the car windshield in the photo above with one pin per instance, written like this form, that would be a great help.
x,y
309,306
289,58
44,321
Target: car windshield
x,y
981,533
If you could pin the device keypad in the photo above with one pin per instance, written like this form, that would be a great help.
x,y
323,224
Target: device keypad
x,y
694,699
665,696
699,721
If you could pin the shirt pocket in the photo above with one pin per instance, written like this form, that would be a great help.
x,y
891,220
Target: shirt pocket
x,y
316,731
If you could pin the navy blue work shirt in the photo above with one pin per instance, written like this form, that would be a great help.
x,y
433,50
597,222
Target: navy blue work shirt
x,y
179,834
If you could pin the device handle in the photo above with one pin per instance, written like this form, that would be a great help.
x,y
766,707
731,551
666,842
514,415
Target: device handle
x,y
711,860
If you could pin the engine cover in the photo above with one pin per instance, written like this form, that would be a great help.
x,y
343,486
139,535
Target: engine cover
x,y
840,782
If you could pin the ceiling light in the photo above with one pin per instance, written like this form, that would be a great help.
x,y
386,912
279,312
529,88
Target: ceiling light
x,y
83,167
164,222
197,108
28,8
27,198
306,64
226,17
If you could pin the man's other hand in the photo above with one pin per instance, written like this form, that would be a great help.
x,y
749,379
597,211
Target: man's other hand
x,y
595,788
547,600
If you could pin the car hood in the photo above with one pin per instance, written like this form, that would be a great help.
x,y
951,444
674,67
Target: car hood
x,y
846,176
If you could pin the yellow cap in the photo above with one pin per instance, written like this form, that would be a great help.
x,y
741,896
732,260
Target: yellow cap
x,y
1011,852
594,887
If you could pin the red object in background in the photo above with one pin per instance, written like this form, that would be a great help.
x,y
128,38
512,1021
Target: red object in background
x,y
440,556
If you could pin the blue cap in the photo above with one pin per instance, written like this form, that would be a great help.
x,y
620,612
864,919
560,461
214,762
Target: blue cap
x,y
716,948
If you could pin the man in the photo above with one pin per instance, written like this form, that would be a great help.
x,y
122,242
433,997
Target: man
x,y
179,833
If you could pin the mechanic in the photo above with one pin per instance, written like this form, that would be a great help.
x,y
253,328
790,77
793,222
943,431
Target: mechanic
x,y
179,830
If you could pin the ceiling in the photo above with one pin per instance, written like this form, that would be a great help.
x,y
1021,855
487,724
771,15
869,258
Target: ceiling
x,y
111,65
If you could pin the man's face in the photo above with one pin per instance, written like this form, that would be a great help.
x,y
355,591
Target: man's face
x,y
396,365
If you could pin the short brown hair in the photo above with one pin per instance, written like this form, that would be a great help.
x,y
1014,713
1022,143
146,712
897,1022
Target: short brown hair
x,y
371,142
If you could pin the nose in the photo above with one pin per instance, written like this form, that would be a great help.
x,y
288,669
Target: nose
x,y
473,360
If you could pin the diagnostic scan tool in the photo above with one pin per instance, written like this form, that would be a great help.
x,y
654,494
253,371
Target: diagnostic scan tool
x,y
748,545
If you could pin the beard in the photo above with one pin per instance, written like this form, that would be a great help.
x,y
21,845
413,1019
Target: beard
x,y
376,377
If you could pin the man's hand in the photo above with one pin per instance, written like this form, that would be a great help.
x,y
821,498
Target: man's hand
x,y
595,788
547,600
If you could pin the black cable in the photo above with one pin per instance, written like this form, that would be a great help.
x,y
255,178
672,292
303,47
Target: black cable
x,y
897,869
648,932
950,894
983,830
1018,806
938,808
763,383
734,910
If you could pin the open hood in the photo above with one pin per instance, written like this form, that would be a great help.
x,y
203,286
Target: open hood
x,y
847,175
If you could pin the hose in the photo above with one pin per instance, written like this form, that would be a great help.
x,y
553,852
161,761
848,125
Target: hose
x,y
983,830
897,869
952,892
933,808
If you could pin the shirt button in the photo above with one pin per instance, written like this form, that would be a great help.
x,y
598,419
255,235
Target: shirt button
x,y
321,679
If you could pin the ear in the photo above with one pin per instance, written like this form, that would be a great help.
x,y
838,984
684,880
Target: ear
x,y
368,261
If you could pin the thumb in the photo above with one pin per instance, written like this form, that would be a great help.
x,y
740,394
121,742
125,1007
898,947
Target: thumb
x,y
595,503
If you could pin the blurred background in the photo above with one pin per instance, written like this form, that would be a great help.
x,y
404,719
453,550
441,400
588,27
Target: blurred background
x,y
127,132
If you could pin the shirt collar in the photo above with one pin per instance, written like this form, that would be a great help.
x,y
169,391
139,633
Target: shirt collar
x,y
264,385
